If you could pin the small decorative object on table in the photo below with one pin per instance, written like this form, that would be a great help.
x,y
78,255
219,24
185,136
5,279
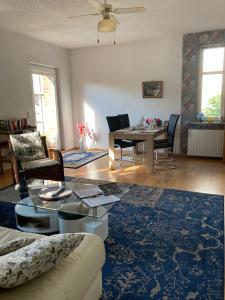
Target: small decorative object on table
x,y
200,117
84,131
142,122
210,119
23,187
150,122
55,193
158,122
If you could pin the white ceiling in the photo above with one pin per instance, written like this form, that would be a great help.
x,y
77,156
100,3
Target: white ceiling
x,y
48,20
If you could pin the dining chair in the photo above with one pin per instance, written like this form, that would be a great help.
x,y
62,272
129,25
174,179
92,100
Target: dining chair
x,y
167,143
114,124
125,123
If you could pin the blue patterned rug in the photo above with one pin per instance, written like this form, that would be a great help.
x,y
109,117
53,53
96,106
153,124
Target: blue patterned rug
x,y
76,159
162,244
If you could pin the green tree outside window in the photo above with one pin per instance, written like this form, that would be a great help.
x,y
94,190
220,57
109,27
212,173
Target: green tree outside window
x,y
213,108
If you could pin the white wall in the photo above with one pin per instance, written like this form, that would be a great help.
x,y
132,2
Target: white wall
x,y
16,52
108,79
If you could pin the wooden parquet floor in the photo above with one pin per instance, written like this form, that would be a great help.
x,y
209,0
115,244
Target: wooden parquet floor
x,y
192,174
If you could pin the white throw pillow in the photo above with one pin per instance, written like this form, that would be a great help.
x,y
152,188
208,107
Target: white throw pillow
x,y
15,244
37,258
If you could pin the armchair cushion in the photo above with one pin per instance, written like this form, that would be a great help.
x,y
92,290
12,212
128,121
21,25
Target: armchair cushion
x,y
28,146
36,164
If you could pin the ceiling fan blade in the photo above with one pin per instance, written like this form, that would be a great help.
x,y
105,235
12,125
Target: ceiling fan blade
x,y
85,15
129,10
97,4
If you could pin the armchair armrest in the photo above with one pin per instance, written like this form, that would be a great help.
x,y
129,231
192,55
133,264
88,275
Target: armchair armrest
x,y
55,154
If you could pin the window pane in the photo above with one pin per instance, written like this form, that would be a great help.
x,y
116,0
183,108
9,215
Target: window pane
x,y
211,95
44,89
213,59
38,106
38,117
40,128
37,84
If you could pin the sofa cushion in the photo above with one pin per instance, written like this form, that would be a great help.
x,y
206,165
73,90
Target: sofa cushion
x,y
40,163
15,244
7,235
28,146
37,258
75,275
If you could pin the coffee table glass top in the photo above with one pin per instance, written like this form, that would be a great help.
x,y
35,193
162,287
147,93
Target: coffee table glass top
x,y
71,204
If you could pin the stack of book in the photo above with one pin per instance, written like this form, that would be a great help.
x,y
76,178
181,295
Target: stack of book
x,y
13,125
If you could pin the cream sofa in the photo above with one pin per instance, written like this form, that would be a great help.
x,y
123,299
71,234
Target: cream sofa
x,y
78,277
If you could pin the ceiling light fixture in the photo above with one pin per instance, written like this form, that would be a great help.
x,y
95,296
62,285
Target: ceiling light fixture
x,y
107,24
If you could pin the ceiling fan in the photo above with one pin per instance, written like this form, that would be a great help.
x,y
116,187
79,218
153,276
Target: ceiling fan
x,y
108,22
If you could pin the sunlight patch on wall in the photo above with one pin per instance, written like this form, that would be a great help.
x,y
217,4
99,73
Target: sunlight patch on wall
x,y
89,119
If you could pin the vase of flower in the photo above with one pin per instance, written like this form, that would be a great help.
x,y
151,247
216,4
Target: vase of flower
x,y
84,132
82,144
150,122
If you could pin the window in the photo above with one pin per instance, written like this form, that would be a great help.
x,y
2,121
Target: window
x,y
212,82
45,104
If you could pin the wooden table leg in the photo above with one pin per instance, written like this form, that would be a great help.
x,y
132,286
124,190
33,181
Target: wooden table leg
x,y
149,155
111,152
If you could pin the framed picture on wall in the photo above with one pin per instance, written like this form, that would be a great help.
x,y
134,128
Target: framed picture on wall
x,y
152,89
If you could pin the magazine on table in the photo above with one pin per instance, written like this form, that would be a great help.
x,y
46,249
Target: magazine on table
x,y
100,200
92,191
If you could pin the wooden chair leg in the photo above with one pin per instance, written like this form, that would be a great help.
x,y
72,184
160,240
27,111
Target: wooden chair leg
x,y
13,174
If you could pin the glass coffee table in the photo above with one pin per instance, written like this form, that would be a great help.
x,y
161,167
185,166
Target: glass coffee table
x,y
68,214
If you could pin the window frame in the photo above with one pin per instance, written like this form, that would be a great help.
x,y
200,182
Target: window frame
x,y
48,71
201,74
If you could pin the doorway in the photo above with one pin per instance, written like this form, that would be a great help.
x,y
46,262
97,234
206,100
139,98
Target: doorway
x,y
46,104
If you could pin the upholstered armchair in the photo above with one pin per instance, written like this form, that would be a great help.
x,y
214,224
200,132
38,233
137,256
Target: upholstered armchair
x,y
30,154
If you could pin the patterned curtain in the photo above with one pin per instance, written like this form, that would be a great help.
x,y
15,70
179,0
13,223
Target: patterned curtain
x,y
192,44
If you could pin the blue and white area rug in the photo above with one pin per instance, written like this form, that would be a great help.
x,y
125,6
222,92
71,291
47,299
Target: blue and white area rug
x,y
162,244
75,159
172,248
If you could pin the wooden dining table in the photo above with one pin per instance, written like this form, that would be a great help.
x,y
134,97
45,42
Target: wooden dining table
x,y
146,135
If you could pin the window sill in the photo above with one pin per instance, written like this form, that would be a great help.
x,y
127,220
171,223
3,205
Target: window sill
x,y
206,125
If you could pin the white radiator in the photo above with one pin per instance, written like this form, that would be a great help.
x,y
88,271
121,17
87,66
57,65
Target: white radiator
x,y
205,142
